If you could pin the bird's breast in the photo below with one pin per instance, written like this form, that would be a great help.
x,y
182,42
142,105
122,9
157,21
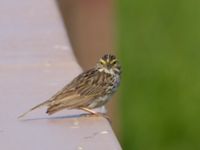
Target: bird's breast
x,y
98,102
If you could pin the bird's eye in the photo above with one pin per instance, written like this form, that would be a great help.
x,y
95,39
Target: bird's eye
x,y
113,62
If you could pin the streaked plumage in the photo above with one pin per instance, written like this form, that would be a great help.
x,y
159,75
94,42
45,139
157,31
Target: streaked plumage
x,y
89,90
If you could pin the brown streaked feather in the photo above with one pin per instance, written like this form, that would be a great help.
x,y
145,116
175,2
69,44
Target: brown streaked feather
x,y
81,98
89,90
80,92
37,106
69,105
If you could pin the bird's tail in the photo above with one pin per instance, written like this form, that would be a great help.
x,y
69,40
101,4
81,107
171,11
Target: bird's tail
x,y
37,106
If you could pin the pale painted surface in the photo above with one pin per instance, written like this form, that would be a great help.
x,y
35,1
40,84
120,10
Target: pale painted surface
x,y
36,60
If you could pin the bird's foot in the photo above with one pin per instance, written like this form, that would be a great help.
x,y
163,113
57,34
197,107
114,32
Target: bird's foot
x,y
97,114
94,113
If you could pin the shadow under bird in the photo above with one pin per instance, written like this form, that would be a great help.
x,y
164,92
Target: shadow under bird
x,y
91,89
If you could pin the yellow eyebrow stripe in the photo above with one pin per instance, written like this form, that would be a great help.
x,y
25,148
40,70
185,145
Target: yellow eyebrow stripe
x,y
103,61
114,60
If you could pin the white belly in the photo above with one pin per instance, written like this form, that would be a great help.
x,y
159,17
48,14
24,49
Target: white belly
x,y
104,99
99,101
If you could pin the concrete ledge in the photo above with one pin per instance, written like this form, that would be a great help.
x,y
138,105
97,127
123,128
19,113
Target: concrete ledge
x,y
36,61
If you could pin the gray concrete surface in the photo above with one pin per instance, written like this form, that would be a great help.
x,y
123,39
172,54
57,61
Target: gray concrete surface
x,y
36,60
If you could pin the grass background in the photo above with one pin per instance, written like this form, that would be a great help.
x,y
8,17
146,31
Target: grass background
x,y
159,46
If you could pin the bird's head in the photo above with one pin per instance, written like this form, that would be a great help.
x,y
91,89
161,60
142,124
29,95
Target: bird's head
x,y
109,64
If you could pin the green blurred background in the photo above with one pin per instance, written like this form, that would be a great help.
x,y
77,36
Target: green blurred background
x,y
159,46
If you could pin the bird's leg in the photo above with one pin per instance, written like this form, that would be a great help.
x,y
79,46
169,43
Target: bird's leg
x,y
89,110
96,113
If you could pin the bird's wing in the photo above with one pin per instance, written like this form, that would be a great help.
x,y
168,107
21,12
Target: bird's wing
x,y
79,93
75,99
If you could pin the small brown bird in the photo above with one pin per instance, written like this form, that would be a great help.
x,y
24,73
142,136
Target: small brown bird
x,y
91,89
